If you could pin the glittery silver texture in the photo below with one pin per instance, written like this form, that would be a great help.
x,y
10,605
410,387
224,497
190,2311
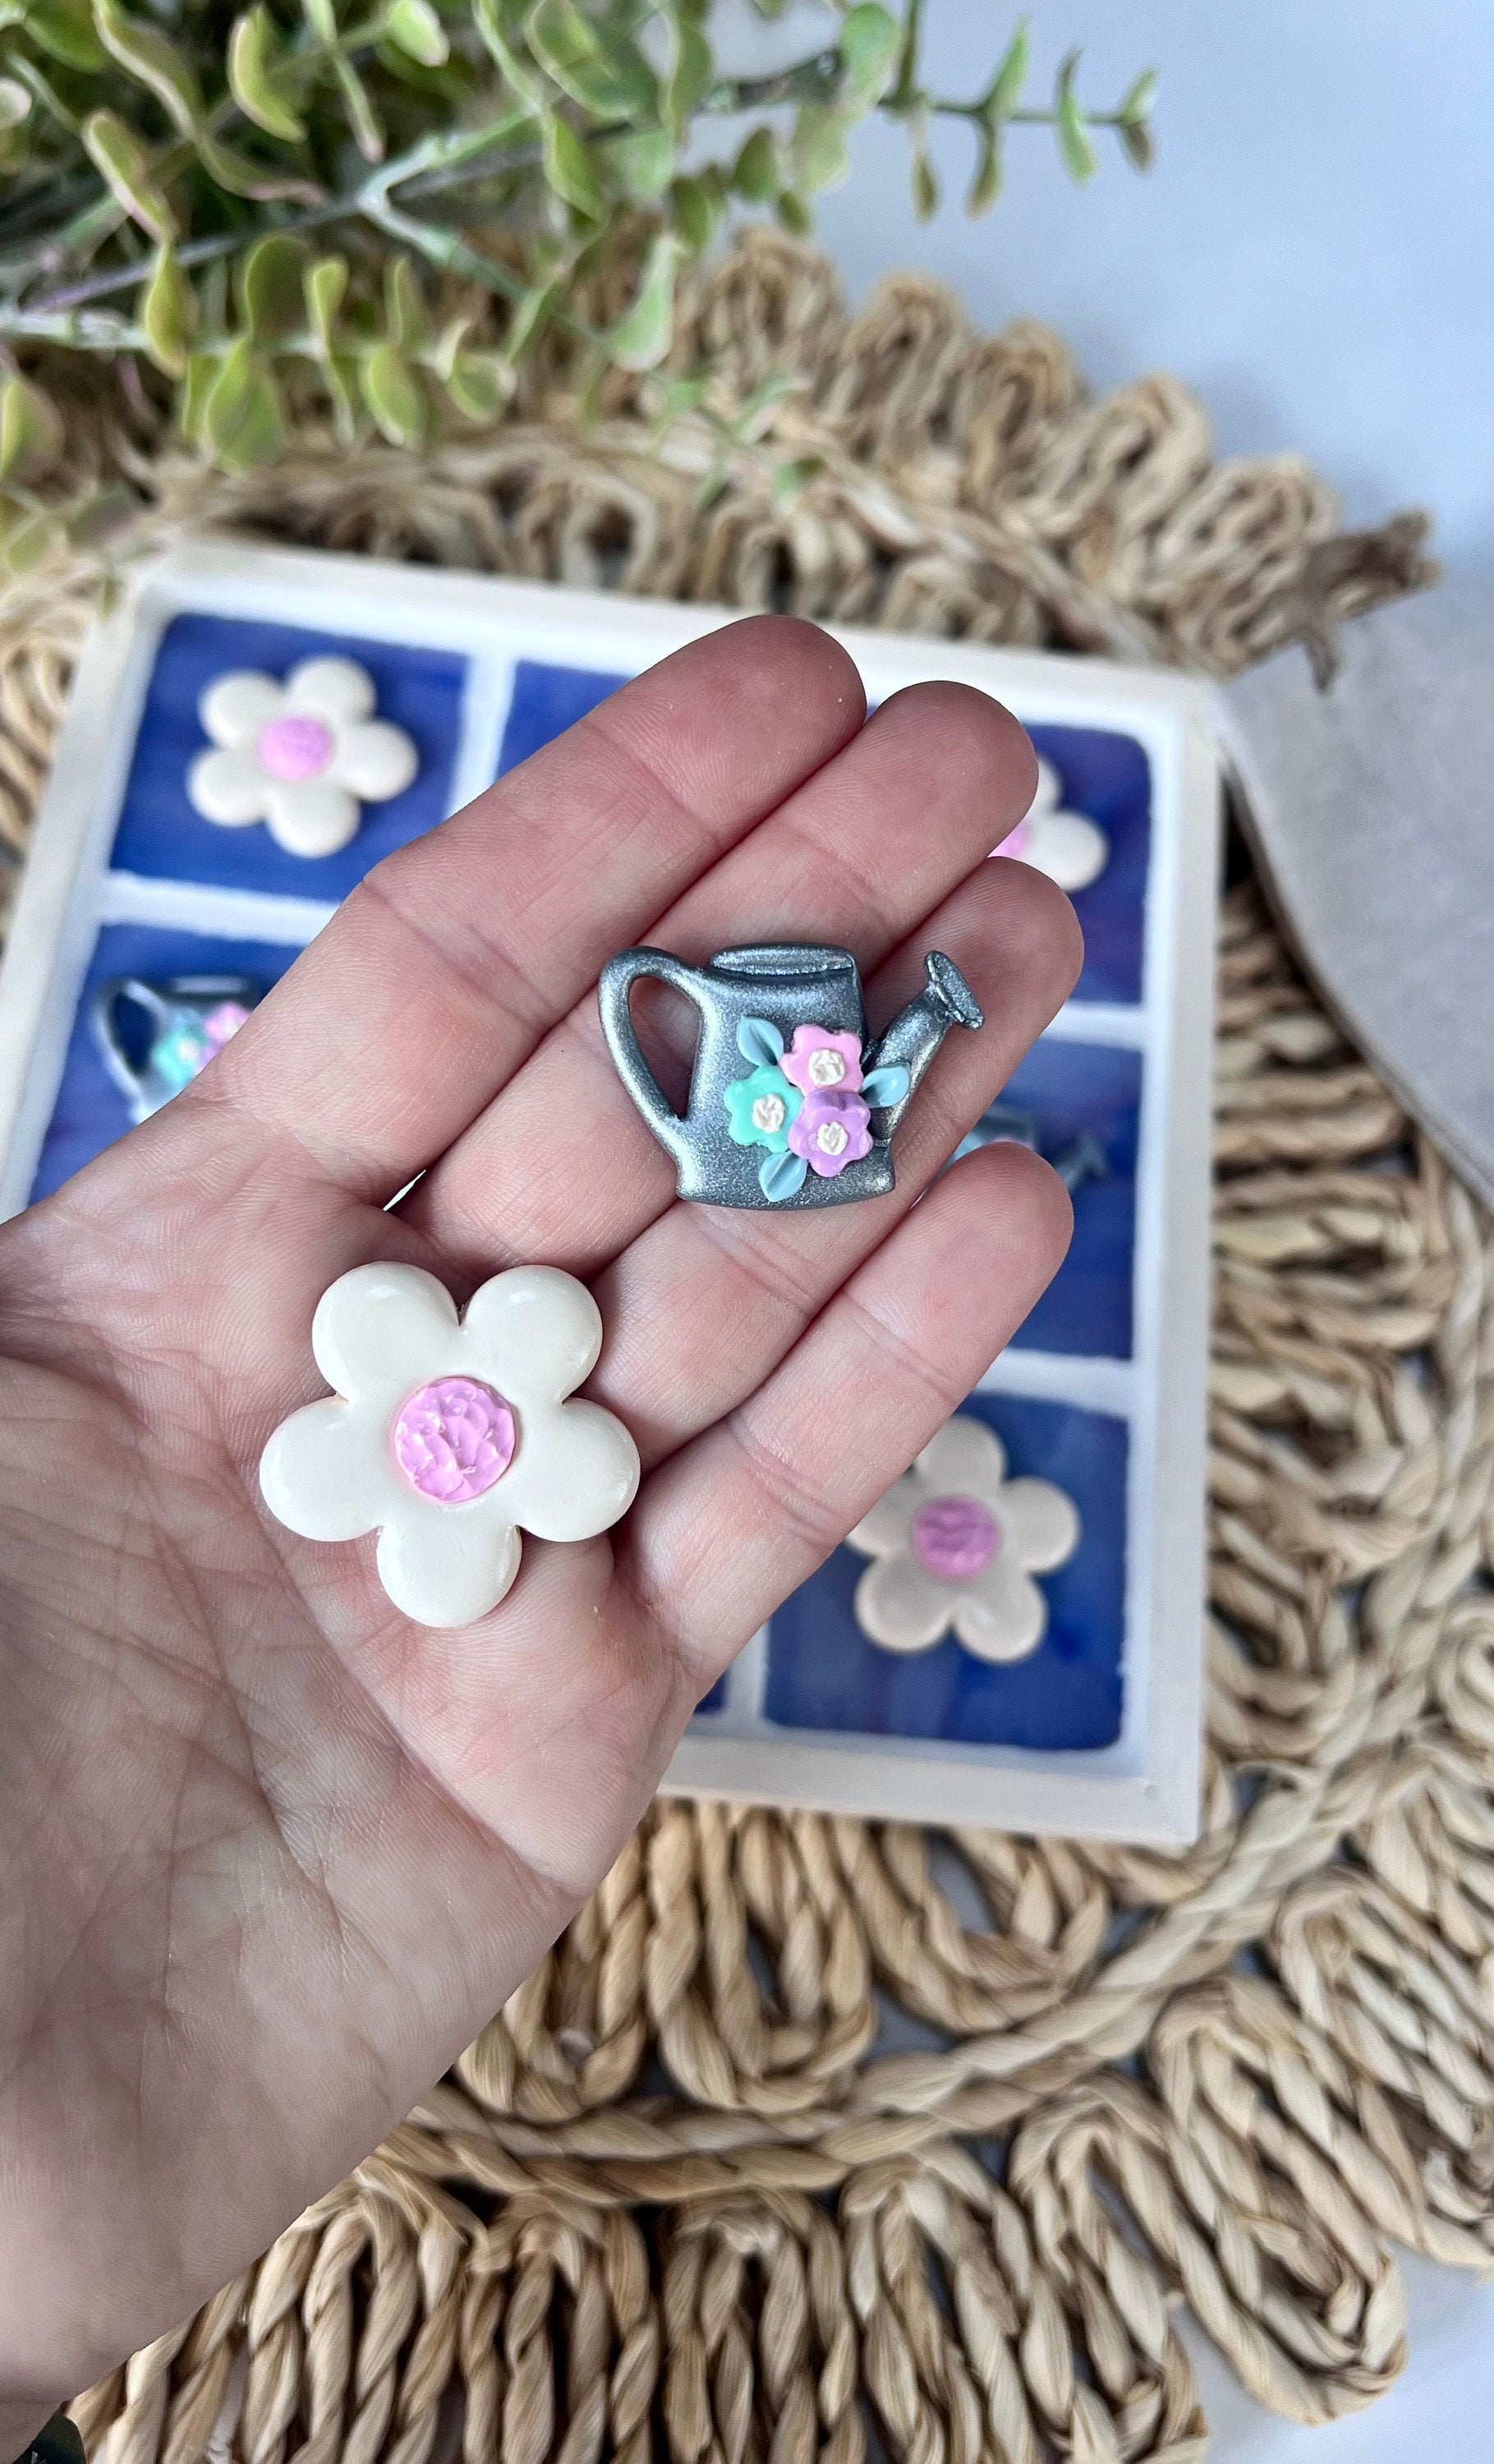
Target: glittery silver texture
x,y
788,986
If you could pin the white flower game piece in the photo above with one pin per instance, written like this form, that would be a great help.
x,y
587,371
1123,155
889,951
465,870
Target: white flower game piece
x,y
448,1435
302,756
1069,847
956,1544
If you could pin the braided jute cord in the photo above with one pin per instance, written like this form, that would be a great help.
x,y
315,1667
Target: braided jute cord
x,y
674,2200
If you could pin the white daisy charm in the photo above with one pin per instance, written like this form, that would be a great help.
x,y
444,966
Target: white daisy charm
x,y
448,1435
955,1543
301,756
1069,847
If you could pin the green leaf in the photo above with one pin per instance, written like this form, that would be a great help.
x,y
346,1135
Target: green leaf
x,y
31,434
781,1176
870,39
202,374
414,26
403,306
598,65
986,186
116,151
1140,101
567,169
1070,125
760,1041
755,174
1137,143
691,76
154,61
64,28
924,186
15,104
323,288
819,153
361,117
169,314
394,394
642,164
641,338
1004,91
794,214
480,382
243,177
243,422
695,209
270,287
26,538
251,77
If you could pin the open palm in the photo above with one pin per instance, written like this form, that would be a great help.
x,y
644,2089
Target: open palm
x,y
273,1853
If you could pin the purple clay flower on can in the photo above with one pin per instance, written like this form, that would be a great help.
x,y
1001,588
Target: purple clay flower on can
x,y
834,1129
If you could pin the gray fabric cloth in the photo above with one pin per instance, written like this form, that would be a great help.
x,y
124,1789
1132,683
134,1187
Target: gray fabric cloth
x,y
1372,811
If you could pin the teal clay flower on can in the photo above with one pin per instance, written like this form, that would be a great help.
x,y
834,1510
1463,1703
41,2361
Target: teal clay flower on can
x,y
761,1110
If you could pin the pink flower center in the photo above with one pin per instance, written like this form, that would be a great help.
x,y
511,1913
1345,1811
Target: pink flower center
x,y
454,1439
296,746
956,1537
221,1022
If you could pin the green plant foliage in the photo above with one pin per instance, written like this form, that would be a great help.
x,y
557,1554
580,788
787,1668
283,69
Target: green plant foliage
x,y
370,211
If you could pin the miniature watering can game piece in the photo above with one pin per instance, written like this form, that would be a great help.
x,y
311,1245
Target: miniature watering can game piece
x,y
448,1435
790,1104
301,756
187,1018
955,1545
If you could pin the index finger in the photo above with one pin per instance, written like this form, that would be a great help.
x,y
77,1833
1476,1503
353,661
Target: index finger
x,y
452,958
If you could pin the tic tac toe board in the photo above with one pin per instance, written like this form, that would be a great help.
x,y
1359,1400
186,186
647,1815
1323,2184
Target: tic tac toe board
x,y
1101,1392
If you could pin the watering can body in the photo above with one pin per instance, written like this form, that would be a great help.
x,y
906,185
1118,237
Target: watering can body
x,y
784,986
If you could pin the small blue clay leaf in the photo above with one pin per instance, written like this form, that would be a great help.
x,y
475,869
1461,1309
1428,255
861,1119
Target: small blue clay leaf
x,y
883,1086
759,1041
782,1175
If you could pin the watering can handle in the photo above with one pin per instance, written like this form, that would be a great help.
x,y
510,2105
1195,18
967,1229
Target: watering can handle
x,y
618,978
105,1002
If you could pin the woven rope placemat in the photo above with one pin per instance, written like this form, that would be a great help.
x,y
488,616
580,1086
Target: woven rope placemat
x,y
672,2199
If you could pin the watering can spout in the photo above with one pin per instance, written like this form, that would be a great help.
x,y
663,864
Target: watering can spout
x,y
916,1036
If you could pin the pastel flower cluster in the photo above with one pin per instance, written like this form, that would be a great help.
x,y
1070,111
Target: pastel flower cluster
x,y
809,1104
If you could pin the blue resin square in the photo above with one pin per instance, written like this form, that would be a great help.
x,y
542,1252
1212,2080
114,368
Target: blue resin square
x,y
823,1674
1110,778
545,702
91,1112
160,835
1069,1092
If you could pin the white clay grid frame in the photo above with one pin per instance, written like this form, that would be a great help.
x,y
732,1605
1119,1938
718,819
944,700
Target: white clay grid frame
x,y
1144,1787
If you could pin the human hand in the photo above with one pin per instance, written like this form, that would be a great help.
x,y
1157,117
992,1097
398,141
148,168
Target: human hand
x,y
274,1855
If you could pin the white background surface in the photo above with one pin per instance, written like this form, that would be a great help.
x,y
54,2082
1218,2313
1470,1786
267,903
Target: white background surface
x,y
1313,252
1314,255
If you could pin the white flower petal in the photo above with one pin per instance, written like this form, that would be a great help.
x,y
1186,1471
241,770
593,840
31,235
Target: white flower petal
x,y
574,1473
321,1473
890,1520
1039,1525
235,707
446,1565
374,759
1001,1615
1069,847
1048,792
535,1332
228,786
965,1459
310,816
900,1606
337,689
382,1331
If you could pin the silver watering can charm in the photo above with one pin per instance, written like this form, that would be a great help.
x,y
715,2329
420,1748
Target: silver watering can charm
x,y
186,1019
789,1107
